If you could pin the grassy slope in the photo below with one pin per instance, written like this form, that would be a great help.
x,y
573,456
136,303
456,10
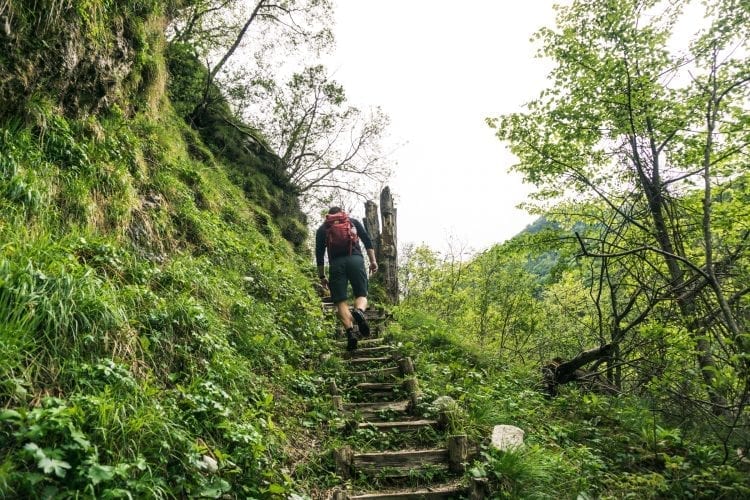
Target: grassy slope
x,y
153,321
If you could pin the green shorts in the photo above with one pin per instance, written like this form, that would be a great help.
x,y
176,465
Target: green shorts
x,y
345,270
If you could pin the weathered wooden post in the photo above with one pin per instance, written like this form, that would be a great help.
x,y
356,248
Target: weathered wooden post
x,y
333,389
388,245
338,403
479,488
372,226
340,495
386,250
406,366
344,458
458,452
412,389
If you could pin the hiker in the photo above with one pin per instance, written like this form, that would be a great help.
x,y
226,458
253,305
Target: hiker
x,y
340,236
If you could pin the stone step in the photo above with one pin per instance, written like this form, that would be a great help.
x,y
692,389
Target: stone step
x,y
403,426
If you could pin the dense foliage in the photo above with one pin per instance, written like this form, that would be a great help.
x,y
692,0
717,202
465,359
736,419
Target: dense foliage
x,y
157,331
159,336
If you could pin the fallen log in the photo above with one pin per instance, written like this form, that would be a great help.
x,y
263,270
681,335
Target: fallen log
x,y
558,372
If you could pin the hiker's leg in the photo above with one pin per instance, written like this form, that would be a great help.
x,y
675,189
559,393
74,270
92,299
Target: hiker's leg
x,y
358,278
342,308
361,303
337,283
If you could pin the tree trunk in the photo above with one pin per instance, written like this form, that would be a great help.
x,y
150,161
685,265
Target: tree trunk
x,y
372,226
388,246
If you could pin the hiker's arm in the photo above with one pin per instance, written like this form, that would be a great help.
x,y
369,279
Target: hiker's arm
x,y
373,262
320,249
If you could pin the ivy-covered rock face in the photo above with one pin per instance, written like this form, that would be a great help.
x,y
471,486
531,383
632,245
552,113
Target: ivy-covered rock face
x,y
77,55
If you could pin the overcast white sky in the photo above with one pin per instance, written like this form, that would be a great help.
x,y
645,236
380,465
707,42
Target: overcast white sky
x,y
438,69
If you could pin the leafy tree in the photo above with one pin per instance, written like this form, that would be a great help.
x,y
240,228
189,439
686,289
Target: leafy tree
x,y
327,146
637,126
217,29
324,143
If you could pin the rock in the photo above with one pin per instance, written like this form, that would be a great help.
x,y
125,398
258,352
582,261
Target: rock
x,y
209,464
444,403
507,437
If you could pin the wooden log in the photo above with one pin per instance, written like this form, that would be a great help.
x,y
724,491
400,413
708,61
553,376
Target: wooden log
x,y
357,361
372,410
400,459
458,453
344,458
372,226
375,386
379,372
558,372
407,366
368,342
403,426
445,493
369,351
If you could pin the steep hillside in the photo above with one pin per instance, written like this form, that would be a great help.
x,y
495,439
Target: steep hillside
x,y
155,326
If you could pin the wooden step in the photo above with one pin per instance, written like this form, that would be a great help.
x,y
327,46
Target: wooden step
x,y
393,371
393,464
366,342
372,410
376,331
448,492
376,386
368,350
359,361
403,426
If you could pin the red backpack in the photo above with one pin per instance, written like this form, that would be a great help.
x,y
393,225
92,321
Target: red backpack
x,y
341,235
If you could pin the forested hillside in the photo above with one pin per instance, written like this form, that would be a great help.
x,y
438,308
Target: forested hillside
x,y
160,336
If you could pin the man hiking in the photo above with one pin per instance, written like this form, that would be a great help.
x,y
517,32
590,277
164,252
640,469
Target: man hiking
x,y
340,236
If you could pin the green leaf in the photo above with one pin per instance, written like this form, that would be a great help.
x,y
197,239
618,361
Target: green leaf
x,y
276,489
100,473
50,465
216,488
6,415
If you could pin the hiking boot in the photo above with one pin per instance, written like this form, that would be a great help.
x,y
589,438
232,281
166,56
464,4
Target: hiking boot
x,y
352,336
359,317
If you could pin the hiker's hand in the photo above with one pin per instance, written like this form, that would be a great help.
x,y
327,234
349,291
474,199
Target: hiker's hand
x,y
373,267
324,281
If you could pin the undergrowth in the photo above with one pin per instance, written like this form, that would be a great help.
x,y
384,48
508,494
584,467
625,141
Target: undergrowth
x,y
577,445
153,340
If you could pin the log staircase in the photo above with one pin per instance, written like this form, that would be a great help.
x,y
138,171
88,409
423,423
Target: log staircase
x,y
392,452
